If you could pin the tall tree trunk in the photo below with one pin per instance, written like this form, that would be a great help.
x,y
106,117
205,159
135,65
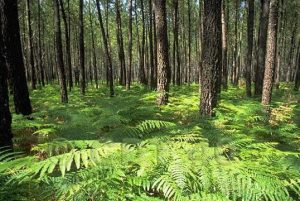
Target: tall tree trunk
x,y
163,68
107,52
224,47
30,46
211,56
289,74
250,34
40,60
128,82
262,39
5,116
68,44
59,55
81,48
236,40
121,52
142,75
94,50
270,53
189,42
176,47
297,79
14,56
151,58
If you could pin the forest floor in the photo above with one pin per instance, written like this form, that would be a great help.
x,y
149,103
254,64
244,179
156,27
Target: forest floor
x,y
241,136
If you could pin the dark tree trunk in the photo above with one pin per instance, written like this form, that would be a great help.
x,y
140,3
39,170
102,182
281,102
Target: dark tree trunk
x,y
107,53
176,47
81,48
189,42
297,79
68,45
250,31
5,116
224,47
40,55
289,74
211,56
121,52
270,53
163,73
128,82
262,39
14,56
151,80
59,54
30,46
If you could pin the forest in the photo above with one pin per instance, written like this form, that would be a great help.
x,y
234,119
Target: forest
x,y
148,100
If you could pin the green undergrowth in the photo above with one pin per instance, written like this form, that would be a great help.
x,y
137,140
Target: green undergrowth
x,y
127,148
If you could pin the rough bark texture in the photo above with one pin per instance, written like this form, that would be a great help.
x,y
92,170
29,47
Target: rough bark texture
x,y
142,76
59,55
297,79
176,47
30,46
211,56
107,53
40,54
81,48
5,116
14,56
250,34
163,68
151,81
94,58
262,39
270,53
224,47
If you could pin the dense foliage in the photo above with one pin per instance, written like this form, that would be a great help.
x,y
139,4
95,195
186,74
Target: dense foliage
x,y
127,148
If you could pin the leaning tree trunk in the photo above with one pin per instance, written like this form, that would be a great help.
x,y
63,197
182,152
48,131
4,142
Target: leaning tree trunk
x,y
271,53
81,48
107,53
262,39
211,56
14,56
59,55
5,116
30,46
163,68
250,31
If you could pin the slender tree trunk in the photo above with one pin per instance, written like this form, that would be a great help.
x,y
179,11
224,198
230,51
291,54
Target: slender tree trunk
x,y
40,60
271,53
289,75
94,50
151,58
262,39
30,46
297,79
189,42
128,82
250,34
120,44
142,75
176,47
59,55
224,47
81,48
107,53
211,56
163,73
5,116
68,45
14,56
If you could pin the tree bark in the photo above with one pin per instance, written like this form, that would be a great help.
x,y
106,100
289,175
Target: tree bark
x,y
262,39
5,116
59,55
163,68
128,82
176,47
81,49
250,34
297,78
94,58
14,56
107,53
271,53
224,47
211,56
30,46
40,54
